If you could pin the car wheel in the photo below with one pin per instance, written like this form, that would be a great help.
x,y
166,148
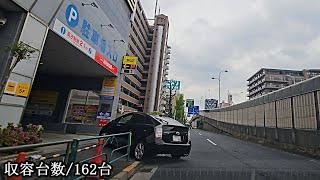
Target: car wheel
x,y
139,151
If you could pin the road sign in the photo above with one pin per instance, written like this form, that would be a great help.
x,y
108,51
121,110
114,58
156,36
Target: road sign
x,y
129,64
196,109
193,110
189,102
175,85
211,104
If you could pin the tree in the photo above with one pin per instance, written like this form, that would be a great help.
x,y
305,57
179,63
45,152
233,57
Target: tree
x,y
19,52
180,109
172,92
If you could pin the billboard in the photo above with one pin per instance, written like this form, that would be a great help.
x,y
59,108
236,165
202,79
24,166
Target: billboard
x,y
189,102
175,85
129,64
211,104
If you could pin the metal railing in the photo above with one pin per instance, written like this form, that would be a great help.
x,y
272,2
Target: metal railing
x,y
73,149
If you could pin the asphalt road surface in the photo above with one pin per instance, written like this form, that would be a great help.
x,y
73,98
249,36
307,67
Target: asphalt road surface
x,y
216,156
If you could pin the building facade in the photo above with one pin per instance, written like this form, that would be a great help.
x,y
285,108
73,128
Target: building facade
x,y
267,80
74,74
141,91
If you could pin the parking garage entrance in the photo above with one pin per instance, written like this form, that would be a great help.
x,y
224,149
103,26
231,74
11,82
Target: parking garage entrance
x,y
72,92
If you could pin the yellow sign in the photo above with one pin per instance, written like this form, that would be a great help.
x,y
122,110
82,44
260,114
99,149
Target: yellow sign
x,y
22,89
110,82
109,86
11,86
132,60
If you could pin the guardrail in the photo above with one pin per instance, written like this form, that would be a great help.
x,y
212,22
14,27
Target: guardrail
x,y
73,149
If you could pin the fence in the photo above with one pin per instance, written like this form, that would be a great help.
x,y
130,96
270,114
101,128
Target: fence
x,y
72,150
290,114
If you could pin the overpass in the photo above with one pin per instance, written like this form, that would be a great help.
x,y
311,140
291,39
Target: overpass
x,y
287,116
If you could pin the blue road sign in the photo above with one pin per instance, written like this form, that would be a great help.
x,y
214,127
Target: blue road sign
x,y
193,110
196,109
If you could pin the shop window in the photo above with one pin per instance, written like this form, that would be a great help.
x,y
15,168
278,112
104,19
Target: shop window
x,y
83,107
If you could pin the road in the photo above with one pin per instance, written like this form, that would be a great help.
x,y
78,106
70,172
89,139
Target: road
x,y
216,156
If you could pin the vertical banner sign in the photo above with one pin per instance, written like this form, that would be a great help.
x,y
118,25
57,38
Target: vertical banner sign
x,y
129,64
109,86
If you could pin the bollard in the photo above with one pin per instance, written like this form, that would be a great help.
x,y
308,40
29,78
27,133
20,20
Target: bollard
x,y
20,158
98,151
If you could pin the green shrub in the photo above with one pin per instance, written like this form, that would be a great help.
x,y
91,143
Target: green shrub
x,y
18,135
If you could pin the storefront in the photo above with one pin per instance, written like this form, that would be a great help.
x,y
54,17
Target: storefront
x,y
76,81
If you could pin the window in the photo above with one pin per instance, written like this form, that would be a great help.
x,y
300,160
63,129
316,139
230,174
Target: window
x,y
125,119
150,121
137,119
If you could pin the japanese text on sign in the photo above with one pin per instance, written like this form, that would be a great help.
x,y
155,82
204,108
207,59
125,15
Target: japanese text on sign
x,y
56,169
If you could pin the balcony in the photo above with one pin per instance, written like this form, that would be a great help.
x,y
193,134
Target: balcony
x,y
256,78
168,56
168,51
166,68
166,61
256,84
166,73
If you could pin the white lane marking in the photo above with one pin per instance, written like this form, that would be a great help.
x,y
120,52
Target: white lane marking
x,y
200,134
211,142
312,160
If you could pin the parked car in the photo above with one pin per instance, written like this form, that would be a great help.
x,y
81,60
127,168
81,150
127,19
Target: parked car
x,y
151,135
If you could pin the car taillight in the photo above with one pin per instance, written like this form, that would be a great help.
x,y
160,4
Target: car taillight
x,y
158,132
189,137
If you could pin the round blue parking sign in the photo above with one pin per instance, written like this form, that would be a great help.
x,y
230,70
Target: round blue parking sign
x,y
72,15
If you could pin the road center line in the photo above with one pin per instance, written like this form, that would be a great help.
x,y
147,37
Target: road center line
x,y
211,142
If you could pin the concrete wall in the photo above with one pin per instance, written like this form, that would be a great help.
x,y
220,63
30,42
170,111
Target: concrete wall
x,y
289,115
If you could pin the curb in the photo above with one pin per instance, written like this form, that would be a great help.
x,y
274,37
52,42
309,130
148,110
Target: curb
x,y
13,156
128,172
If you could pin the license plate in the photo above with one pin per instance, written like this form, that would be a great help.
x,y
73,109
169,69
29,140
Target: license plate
x,y
176,138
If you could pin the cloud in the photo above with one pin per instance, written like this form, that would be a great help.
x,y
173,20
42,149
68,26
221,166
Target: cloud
x,y
241,36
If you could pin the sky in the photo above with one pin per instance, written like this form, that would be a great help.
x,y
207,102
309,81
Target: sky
x,y
241,36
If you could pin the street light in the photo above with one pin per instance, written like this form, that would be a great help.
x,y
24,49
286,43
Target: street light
x,y
219,79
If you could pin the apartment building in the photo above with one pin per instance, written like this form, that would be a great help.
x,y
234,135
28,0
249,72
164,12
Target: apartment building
x,y
141,91
267,80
